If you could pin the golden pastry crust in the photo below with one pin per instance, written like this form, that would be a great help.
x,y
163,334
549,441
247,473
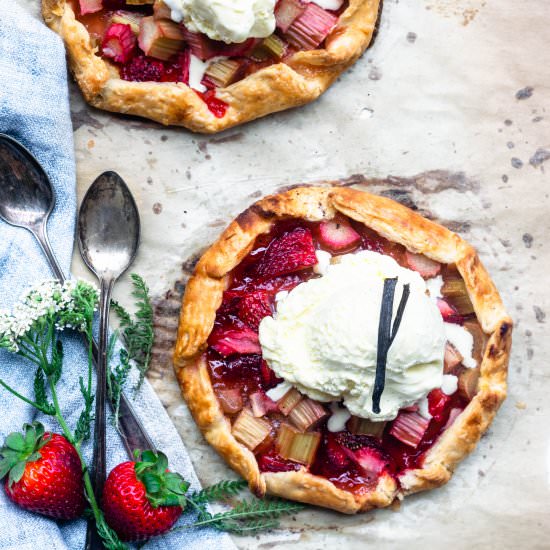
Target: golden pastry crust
x,y
397,223
305,76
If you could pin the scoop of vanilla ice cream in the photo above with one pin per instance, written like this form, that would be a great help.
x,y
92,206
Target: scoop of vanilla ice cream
x,y
323,337
231,21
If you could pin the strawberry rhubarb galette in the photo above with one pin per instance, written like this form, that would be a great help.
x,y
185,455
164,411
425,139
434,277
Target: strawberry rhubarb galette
x,y
209,64
339,349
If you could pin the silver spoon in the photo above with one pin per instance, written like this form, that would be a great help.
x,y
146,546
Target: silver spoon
x,y
108,238
26,200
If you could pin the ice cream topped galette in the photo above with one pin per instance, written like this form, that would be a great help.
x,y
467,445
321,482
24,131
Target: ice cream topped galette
x,y
339,349
209,64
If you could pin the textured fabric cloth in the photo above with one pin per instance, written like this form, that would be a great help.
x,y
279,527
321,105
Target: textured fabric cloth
x,y
34,109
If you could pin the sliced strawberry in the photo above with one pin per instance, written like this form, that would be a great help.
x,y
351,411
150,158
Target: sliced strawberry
x,y
160,38
90,6
119,42
261,404
437,403
448,312
290,252
228,341
200,45
286,12
335,453
371,460
338,235
310,28
254,307
409,428
269,378
422,264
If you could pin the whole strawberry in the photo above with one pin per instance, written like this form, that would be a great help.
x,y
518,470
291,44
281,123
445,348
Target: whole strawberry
x,y
143,499
43,471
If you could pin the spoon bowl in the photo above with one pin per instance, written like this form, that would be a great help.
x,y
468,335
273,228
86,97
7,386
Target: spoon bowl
x,y
108,226
26,194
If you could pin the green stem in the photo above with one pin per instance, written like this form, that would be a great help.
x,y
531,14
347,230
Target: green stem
x,y
22,397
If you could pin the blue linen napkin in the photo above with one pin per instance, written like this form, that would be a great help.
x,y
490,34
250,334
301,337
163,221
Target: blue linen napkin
x,y
34,109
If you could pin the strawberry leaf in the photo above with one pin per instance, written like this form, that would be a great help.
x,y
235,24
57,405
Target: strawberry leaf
x,y
16,441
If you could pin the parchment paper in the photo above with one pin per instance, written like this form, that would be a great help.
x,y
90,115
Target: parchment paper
x,y
453,98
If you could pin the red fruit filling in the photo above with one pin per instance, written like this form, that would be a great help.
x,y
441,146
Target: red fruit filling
x,y
310,28
143,69
278,261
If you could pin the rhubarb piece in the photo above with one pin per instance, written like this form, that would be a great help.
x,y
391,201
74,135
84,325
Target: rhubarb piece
x,y
307,414
90,6
262,404
448,312
249,430
467,383
286,12
254,307
271,47
293,251
131,18
161,10
222,73
310,28
425,266
241,49
480,339
119,42
454,288
142,69
452,359
230,400
298,447
364,426
160,39
371,460
227,341
338,236
437,403
291,398
409,428
200,45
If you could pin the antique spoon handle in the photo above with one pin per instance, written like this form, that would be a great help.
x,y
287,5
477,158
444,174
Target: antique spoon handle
x,y
133,434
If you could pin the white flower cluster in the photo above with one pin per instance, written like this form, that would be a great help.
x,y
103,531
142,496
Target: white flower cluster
x,y
45,301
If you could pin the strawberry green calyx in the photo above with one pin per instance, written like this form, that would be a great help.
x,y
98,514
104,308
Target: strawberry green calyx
x,y
163,488
21,448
